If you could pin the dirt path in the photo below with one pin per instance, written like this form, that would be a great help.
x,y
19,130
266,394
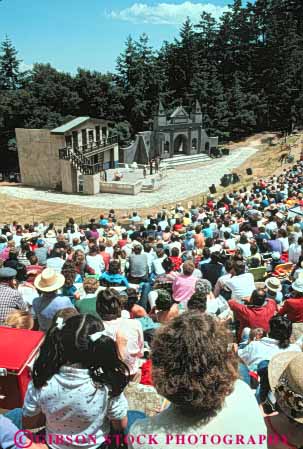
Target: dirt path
x,y
264,162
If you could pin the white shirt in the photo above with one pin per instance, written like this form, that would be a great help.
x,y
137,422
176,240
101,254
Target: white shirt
x,y
285,244
221,283
245,249
163,224
264,349
271,226
28,293
133,332
218,306
74,406
230,244
175,244
241,286
96,263
294,252
230,421
150,258
17,239
157,265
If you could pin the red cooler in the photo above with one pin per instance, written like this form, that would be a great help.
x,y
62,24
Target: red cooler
x,y
18,347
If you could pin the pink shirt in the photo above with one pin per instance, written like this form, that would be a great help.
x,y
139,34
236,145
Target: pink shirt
x,y
184,287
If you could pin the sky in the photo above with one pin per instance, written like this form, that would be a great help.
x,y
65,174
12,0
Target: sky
x,y
91,33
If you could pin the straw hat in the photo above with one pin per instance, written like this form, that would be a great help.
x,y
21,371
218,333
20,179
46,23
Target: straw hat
x,y
273,284
49,280
298,285
286,381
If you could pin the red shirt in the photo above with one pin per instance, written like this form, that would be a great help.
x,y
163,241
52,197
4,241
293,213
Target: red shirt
x,y
177,262
122,243
106,258
253,317
146,373
177,227
293,309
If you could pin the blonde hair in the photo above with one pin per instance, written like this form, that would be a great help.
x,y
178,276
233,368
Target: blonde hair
x,y
91,285
19,319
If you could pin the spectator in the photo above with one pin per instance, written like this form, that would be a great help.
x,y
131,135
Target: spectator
x,y
197,302
10,298
273,289
113,277
77,362
138,266
95,260
57,257
131,305
164,310
127,333
157,268
69,288
49,301
88,303
293,307
184,284
295,250
81,266
257,313
175,259
105,255
244,246
285,379
212,270
206,368
19,319
241,284
216,306
278,340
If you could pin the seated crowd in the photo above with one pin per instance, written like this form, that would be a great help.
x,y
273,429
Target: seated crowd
x,y
203,307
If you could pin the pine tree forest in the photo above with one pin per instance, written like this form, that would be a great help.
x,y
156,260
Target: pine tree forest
x,y
245,69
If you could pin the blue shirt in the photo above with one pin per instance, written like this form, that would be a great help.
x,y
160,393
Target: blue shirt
x,y
189,244
7,433
47,305
235,228
70,292
114,279
208,233
204,262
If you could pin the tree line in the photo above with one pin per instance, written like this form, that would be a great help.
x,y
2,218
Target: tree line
x,y
246,69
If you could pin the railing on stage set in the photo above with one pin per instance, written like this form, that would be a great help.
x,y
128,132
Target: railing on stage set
x,y
81,156
94,146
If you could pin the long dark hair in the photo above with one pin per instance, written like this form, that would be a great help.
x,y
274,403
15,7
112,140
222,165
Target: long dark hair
x,y
280,328
71,344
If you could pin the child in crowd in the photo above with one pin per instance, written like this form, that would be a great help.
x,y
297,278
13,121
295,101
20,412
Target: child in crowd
x,y
77,385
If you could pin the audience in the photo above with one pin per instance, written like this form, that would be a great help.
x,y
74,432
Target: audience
x,y
175,292
194,371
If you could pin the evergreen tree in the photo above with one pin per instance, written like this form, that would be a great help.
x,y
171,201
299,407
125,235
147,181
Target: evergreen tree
x,y
9,66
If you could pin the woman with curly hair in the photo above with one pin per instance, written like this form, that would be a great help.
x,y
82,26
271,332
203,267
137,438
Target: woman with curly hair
x,y
193,369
